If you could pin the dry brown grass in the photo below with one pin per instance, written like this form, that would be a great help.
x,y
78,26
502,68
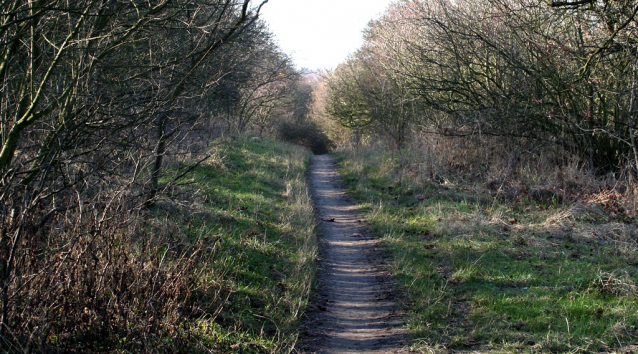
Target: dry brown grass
x,y
513,169
102,276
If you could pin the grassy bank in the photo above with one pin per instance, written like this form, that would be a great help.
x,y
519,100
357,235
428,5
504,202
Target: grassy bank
x,y
486,274
250,206
223,262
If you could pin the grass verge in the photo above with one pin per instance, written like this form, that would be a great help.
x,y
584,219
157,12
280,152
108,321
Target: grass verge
x,y
486,275
251,207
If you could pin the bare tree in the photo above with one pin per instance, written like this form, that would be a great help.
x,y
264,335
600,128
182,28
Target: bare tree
x,y
514,68
95,95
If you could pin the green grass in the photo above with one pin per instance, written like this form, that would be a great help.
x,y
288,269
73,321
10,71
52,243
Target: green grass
x,y
481,275
250,204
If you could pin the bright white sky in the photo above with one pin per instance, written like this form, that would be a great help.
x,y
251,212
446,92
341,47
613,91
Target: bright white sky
x,y
319,34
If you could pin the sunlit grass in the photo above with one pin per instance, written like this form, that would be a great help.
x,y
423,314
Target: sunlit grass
x,y
481,275
252,200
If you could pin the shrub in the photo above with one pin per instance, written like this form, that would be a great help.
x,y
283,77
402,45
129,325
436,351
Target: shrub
x,y
306,134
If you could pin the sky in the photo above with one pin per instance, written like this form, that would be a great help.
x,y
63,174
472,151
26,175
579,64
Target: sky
x,y
320,34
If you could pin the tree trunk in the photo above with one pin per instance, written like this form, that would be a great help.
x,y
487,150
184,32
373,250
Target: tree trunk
x,y
160,150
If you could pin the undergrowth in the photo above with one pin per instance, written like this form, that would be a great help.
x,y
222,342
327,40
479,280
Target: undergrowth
x,y
486,272
223,262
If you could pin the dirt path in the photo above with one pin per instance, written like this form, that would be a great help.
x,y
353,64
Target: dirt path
x,y
353,311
